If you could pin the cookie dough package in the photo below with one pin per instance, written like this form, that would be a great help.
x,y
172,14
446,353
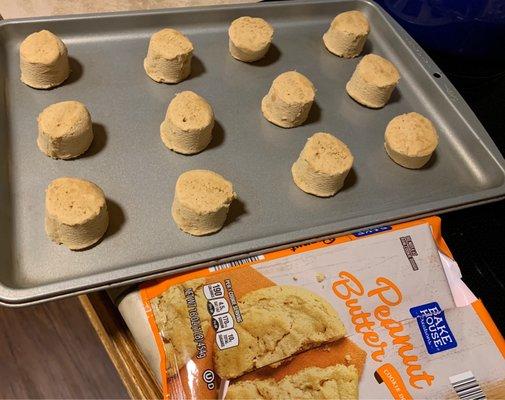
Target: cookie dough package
x,y
381,313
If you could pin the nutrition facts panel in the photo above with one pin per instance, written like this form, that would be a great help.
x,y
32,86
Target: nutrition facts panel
x,y
222,320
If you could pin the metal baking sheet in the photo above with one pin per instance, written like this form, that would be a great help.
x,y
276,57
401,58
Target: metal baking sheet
x,y
138,174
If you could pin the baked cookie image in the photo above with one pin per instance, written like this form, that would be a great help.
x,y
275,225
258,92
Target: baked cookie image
x,y
249,38
347,34
168,57
410,140
322,166
278,322
334,382
288,102
76,213
373,81
201,202
65,130
170,311
188,124
43,60
344,351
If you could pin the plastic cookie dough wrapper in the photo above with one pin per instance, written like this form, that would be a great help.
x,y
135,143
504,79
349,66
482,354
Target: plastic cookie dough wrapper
x,y
288,102
347,34
65,130
410,140
323,165
76,213
373,81
249,38
188,124
168,57
380,282
43,60
201,202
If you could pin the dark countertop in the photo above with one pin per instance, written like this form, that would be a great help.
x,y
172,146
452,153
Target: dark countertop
x,y
476,235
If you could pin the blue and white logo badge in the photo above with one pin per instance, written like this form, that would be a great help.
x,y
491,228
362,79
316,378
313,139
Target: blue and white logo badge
x,y
434,328
371,231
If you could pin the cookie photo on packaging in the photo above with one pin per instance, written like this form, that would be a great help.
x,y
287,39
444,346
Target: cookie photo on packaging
x,y
232,323
187,314
329,371
277,322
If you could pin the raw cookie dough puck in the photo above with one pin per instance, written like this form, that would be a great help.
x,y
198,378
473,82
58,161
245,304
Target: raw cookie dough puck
x,y
188,124
201,202
410,140
65,130
250,38
323,165
76,212
168,57
43,60
288,102
373,81
347,34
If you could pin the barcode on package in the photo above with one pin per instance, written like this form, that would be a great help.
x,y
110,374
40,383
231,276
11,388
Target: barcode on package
x,y
236,262
467,387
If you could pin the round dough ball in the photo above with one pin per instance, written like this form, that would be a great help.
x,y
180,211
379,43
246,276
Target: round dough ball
x,y
323,165
168,57
43,60
410,140
201,202
347,34
373,81
76,213
250,38
288,102
188,124
65,130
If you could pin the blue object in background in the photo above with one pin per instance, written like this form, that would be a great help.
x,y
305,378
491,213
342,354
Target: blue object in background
x,y
467,28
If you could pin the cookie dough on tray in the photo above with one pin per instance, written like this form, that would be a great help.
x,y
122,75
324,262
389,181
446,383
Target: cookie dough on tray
x,y
323,165
43,60
334,382
76,212
168,57
278,321
249,38
188,124
171,314
65,130
288,102
347,34
201,202
410,140
373,81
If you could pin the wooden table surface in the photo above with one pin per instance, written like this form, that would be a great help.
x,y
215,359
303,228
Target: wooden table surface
x,y
52,351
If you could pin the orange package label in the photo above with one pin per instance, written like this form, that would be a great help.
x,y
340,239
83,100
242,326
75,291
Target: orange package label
x,y
367,315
